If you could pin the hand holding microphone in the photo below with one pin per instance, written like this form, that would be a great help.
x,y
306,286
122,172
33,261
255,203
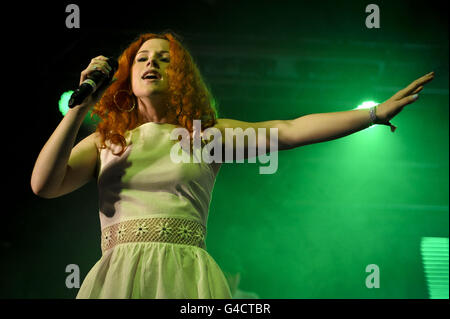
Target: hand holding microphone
x,y
94,80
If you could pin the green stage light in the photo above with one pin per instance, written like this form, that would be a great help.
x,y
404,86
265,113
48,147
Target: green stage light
x,y
64,102
366,105
64,108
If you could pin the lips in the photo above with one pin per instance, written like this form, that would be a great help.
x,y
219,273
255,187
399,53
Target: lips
x,y
151,75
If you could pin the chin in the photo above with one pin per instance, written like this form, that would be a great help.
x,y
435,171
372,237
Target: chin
x,y
156,91
147,91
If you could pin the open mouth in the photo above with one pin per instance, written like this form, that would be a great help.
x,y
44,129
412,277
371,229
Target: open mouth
x,y
151,75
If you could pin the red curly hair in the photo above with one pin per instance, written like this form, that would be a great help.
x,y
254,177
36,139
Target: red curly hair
x,y
188,96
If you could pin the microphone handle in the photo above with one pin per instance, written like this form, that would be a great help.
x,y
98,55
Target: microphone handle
x,y
96,79
81,93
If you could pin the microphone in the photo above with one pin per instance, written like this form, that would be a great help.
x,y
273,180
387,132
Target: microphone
x,y
94,80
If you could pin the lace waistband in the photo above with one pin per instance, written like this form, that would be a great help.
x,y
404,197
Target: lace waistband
x,y
155,229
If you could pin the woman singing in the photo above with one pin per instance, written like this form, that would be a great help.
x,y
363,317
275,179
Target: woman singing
x,y
154,210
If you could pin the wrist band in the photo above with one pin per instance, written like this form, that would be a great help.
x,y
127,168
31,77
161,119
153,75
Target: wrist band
x,y
373,116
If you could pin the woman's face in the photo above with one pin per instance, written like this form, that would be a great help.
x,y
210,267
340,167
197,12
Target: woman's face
x,y
148,73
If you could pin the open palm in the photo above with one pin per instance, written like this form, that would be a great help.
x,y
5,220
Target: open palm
x,y
390,108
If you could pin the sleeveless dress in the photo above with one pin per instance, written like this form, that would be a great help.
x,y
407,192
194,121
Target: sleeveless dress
x,y
153,216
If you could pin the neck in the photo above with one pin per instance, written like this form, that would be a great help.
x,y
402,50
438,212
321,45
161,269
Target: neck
x,y
152,109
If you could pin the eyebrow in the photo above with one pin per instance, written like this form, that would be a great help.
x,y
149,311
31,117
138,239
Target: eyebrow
x,y
160,52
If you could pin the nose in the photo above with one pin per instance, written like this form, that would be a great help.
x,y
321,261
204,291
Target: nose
x,y
152,62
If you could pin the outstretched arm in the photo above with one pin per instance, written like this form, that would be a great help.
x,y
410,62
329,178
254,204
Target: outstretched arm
x,y
321,127
316,128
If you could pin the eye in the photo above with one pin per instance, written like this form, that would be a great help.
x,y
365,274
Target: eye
x,y
145,58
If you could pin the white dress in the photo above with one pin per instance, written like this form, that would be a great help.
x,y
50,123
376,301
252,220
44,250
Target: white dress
x,y
153,216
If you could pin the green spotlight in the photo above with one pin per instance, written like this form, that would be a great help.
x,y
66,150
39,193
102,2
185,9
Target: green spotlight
x,y
366,105
64,102
64,108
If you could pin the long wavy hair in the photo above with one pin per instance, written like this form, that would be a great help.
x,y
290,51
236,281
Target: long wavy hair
x,y
188,96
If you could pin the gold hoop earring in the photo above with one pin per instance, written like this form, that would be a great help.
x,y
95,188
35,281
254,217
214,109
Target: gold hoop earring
x,y
129,96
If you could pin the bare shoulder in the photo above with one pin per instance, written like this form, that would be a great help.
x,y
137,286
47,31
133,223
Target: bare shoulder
x,y
94,138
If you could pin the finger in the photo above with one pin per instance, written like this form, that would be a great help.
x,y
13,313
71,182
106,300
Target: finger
x,y
414,86
100,57
103,64
101,60
106,59
407,100
419,82
99,66
417,90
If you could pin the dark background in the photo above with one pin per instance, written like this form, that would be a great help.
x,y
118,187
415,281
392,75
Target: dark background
x,y
330,210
